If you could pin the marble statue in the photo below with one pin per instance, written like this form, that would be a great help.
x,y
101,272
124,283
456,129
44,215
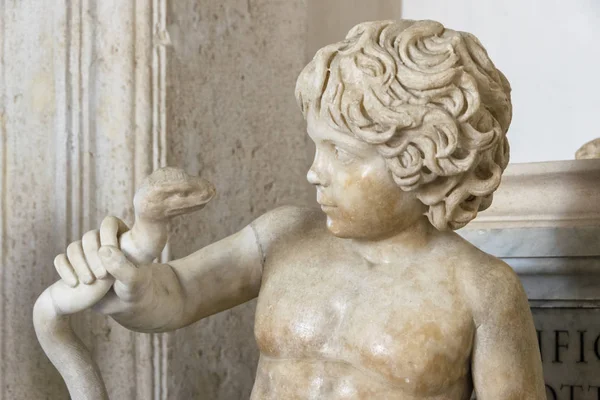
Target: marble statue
x,y
590,150
372,296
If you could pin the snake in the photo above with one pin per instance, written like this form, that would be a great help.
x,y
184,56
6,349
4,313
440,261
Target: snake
x,y
166,193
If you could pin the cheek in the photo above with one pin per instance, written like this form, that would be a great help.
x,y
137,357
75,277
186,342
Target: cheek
x,y
368,200
370,192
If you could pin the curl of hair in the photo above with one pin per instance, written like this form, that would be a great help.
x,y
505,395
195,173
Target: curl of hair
x,y
431,101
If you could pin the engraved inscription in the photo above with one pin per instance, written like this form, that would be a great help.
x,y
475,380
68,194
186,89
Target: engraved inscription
x,y
569,340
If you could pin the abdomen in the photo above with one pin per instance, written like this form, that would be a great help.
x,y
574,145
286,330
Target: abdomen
x,y
291,379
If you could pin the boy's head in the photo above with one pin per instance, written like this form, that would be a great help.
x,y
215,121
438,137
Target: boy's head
x,y
428,100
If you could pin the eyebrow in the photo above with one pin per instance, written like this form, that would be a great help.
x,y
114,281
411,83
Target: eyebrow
x,y
346,140
344,146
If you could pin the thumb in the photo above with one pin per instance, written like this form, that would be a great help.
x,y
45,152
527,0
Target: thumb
x,y
115,262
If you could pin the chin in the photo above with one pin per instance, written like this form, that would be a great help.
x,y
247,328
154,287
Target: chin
x,y
344,230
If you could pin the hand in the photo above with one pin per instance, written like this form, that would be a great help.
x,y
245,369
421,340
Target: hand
x,y
82,264
89,266
91,263
85,279
145,299
90,260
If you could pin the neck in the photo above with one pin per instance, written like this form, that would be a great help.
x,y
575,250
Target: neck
x,y
408,240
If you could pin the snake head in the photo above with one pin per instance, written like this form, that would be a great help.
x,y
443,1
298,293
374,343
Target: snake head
x,y
169,192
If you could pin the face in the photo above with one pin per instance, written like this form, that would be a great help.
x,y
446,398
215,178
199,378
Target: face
x,y
355,188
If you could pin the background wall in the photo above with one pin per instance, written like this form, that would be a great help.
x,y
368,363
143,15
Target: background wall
x,y
329,21
550,52
232,119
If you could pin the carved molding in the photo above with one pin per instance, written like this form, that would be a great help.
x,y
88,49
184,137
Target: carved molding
x,y
86,80
548,194
3,206
132,53
160,39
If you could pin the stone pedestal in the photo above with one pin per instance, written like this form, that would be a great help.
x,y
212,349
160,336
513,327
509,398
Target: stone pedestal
x,y
545,223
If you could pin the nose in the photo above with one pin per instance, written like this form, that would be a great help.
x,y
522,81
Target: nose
x,y
312,177
316,174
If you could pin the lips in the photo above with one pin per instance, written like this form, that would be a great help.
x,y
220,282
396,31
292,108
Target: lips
x,y
323,202
325,205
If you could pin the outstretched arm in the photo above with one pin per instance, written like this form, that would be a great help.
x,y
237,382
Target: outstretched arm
x,y
219,276
506,363
164,297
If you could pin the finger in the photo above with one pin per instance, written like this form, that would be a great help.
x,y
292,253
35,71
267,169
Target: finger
x,y
91,245
65,270
110,229
77,260
115,262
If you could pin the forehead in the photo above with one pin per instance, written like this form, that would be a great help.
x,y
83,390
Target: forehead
x,y
320,130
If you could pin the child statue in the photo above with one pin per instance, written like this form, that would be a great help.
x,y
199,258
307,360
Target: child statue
x,y
373,296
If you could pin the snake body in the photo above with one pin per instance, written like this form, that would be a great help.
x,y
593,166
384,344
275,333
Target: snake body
x,y
166,193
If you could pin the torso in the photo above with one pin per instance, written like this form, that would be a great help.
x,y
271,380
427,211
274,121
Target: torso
x,y
331,325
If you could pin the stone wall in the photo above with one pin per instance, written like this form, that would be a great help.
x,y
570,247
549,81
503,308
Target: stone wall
x,y
232,118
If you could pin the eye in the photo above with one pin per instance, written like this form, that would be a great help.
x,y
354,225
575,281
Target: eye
x,y
343,156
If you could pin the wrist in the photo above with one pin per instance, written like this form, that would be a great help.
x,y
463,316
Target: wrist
x,y
159,308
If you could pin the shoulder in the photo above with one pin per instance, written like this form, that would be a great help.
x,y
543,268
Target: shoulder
x,y
490,286
286,223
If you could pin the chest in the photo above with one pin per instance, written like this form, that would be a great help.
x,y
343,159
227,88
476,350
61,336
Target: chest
x,y
404,323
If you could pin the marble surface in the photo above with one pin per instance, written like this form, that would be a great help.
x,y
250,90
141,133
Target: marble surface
x,y
78,123
545,194
589,150
553,263
570,346
581,241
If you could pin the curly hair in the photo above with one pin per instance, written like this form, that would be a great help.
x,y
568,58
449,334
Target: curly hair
x,y
430,100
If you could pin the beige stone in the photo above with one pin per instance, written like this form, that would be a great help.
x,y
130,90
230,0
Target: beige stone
x,y
589,150
233,120
549,194
83,119
373,296
78,120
